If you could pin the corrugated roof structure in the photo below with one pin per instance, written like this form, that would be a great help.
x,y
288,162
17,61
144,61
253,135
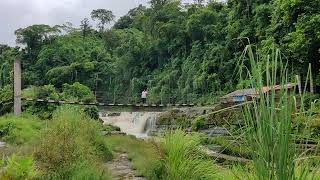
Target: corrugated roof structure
x,y
243,94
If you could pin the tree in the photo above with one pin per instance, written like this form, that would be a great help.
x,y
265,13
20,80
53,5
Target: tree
x,y
295,27
77,92
33,36
127,20
102,15
85,27
158,4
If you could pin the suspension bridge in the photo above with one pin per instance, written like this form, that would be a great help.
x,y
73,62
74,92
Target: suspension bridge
x,y
17,99
48,101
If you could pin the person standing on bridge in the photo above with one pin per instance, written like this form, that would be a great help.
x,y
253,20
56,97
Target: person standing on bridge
x,y
144,95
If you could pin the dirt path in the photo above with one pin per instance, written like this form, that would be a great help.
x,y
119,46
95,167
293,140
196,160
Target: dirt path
x,y
120,168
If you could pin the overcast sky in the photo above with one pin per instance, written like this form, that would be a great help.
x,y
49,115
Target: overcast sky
x,y
15,14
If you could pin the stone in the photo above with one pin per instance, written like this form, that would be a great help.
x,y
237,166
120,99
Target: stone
x,y
114,114
216,131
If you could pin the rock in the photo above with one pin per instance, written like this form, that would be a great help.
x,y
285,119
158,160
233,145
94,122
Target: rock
x,y
152,132
216,131
215,148
114,114
103,114
225,157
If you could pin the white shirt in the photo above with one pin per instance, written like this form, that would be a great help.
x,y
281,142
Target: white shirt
x,y
144,94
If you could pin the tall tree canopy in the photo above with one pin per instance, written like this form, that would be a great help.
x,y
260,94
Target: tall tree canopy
x,y
181,52
103,16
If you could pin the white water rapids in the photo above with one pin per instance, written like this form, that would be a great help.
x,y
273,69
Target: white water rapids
x,y
132,123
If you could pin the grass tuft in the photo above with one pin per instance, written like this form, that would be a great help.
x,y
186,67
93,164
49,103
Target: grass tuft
x,y
20,130
72,144
184,159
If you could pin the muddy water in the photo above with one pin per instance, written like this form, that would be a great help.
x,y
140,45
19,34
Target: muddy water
x,y
132,123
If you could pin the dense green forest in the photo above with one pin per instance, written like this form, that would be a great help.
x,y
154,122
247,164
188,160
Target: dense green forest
x,y
180,52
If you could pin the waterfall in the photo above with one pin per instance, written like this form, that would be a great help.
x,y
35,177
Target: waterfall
x,y
138,124
151,124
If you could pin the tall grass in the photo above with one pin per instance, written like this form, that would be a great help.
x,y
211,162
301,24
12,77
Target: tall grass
x,y
72,147
183,159
20,130
16,167
269,118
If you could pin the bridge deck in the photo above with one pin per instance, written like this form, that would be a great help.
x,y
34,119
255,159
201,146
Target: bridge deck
x,y
108,104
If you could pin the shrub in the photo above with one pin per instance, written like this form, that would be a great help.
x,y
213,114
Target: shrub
x,y
175,118
16,168
5,129
77,92
20,130
183,159
92,112
72,138
198,124
6,100
224,118
110,128
41,92
43,110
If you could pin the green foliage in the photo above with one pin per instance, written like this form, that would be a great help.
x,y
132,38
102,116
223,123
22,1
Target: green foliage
x,y
77,92
6,104
182,53
16,168
198,124
78,145
44,111
103,15
92,112
142,154
88,171
225,118
43,92
183,159
110,128
20,130
174,118
232,147
269,120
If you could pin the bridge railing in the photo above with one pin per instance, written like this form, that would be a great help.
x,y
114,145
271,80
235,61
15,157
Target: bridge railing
x,y
112,98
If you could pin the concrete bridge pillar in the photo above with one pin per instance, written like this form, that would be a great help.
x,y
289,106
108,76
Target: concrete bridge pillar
x,y
17,87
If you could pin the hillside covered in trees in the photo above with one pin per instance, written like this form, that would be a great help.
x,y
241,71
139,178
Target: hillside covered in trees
x,y
180,52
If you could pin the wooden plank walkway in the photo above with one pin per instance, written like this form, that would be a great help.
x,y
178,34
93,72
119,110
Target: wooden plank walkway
x,y
106,104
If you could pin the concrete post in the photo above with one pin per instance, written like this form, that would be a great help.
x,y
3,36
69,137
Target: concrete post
x,y
17,87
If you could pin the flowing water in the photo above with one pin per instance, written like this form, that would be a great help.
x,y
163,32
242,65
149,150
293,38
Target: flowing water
x,y
132,123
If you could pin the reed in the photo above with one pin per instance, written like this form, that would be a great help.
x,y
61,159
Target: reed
x,y
269,118
184,158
